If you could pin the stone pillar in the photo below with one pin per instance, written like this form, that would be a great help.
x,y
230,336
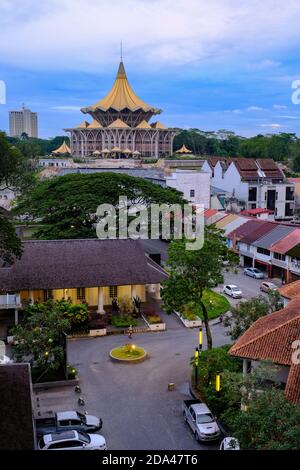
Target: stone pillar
x,y
133,291
253,262
100,301
16,316
157,292
245,366
31,295
65,294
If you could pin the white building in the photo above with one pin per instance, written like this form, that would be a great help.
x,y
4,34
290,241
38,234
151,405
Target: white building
x,y
254,183
194,185
23,121
7,197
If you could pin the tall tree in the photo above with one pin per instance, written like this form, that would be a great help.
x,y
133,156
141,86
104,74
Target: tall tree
x,y
193,271
67,205
245,313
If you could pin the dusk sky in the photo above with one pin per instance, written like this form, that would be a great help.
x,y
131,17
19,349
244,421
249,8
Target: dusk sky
x,y
218,64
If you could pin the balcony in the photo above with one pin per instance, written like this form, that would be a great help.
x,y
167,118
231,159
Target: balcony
x,y
10,301
295,266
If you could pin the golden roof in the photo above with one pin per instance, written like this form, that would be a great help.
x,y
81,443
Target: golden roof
x,y
118,123
105,151
127,151
136,152
95,125
116,149
83,125
158,125
144,125
183,149
97,152
121,96
64,148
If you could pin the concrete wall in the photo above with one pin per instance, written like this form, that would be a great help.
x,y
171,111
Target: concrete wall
x,y
187,180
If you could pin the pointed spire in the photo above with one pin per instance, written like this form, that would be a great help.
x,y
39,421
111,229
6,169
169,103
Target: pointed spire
x,y
121,71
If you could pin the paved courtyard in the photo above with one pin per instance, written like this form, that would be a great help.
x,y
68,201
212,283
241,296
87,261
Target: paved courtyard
x,y
137,409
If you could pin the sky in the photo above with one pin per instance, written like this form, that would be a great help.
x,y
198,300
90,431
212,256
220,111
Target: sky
x,y
222,64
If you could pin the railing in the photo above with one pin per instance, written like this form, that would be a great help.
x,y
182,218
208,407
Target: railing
x,y
279,262
10,300
295,266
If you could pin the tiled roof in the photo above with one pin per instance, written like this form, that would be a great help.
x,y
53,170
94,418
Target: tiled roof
x,y
58,264
256,211
278,233
287,243
271,338
250,168
245,229
290,291
226,220
263,228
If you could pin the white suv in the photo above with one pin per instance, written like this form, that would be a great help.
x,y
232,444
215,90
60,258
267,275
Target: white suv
x,y
72,440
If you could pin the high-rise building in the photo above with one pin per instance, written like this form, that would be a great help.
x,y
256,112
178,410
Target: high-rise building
x,y
23,121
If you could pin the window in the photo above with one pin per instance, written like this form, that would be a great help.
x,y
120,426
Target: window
x,y
81,293
263,251
192,193
279,256
113,291
47,294
252,196
289,193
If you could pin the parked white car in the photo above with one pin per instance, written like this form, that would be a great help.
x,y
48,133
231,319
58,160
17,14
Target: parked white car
x,y
268,287
254,272
72,440
201,421
233,290
230,443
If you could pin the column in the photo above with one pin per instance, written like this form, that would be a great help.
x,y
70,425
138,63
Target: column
x,y
245,366
100,301
66,294
157,292
133,291
31,295
16,316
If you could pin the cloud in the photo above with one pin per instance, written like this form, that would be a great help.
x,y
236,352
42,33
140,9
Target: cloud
x,y
85,35
279,106
66,108
265,64
272,126
289,117
255,108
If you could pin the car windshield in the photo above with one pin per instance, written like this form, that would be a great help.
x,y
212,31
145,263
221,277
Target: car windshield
x,y
84,437
81,416
256,271
205,418
235,289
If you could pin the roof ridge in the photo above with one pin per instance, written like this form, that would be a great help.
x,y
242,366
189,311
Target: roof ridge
x,y
269,331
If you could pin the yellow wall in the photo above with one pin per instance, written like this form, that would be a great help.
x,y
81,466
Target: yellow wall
x,y
91,294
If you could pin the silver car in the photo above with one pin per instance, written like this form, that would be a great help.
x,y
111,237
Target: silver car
x,y
72,440
254,272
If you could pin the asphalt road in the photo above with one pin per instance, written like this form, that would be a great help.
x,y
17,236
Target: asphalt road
x,y
249,286
137,409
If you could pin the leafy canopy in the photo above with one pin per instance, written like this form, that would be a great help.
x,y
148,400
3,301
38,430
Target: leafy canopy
x,y
67,205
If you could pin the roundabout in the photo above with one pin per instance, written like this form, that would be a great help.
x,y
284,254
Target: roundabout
x,y
129,353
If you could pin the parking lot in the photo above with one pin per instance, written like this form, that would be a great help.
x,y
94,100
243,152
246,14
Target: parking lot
x,y
249,286
133,400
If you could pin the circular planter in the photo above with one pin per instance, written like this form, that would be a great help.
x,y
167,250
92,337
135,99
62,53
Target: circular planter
x,y
123,354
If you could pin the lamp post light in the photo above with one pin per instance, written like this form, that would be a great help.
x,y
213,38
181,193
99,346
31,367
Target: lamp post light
x,y
218,382
200,338
196,365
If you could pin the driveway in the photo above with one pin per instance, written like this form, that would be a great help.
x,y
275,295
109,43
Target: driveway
x,y
248,285
133,400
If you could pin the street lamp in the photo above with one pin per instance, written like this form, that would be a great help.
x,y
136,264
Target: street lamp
x,y
200,338
196,364
218,382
